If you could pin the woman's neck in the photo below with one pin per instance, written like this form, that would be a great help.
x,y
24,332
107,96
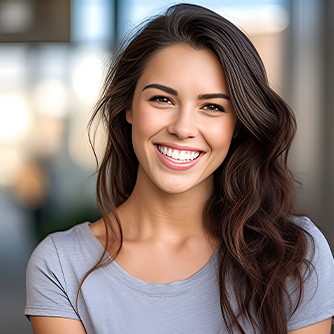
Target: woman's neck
x,y
150,212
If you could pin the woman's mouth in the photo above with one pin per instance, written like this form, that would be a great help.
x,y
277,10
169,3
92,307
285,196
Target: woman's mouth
x,y
179,155
178,159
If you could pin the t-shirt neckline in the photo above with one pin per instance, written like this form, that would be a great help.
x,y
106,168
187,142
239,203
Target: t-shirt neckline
x,y
121,276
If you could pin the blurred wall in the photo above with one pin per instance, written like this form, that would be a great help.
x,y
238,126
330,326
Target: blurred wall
x,y
309,88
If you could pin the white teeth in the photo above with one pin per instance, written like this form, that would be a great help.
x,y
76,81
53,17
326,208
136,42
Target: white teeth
x,y
182,155
177,154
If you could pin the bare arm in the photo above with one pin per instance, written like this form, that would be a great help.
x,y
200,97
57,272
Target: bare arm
x,y
53,325
322,327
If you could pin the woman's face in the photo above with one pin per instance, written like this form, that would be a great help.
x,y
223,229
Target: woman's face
x,y
182,119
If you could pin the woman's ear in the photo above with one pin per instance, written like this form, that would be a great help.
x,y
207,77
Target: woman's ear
x,y
128,116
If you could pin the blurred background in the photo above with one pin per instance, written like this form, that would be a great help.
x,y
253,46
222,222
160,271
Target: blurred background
x,y
53,57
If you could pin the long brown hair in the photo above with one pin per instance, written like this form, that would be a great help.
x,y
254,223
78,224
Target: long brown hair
x,y
251,208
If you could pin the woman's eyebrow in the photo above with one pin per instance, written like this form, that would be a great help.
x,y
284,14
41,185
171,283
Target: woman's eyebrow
x,y
213,96
163,88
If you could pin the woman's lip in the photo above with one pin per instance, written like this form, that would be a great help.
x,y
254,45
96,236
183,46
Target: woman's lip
x,y
177,165
178,147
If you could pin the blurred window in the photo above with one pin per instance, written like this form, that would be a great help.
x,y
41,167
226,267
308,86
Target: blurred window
x,y
253,16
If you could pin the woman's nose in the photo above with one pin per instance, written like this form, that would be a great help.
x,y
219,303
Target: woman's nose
x,y
183,124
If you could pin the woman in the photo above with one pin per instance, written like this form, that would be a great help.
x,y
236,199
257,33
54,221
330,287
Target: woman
x,y
198,232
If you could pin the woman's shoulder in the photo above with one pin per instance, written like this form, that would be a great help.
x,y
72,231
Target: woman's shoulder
x,y
70,237
318,246
75,247
317,302
306,224
54,269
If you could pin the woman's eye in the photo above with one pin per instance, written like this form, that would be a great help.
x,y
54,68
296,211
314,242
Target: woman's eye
x,y
214,107
161,99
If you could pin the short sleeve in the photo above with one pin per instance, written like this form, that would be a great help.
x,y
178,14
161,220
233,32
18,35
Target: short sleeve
x,y
46,293
317,302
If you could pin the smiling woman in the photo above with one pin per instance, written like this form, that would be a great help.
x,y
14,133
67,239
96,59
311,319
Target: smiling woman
x,y
198,232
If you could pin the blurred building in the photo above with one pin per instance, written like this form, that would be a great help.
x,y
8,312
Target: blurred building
x,y
53,57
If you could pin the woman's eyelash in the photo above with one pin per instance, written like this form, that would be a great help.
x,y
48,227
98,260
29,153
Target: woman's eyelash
x,y
160,99
214,107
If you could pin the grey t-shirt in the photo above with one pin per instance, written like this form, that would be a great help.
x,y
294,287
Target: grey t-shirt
x,y
113,301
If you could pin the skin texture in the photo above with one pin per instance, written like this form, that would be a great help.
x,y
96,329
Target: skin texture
x,y
171,107
49,325
323,327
